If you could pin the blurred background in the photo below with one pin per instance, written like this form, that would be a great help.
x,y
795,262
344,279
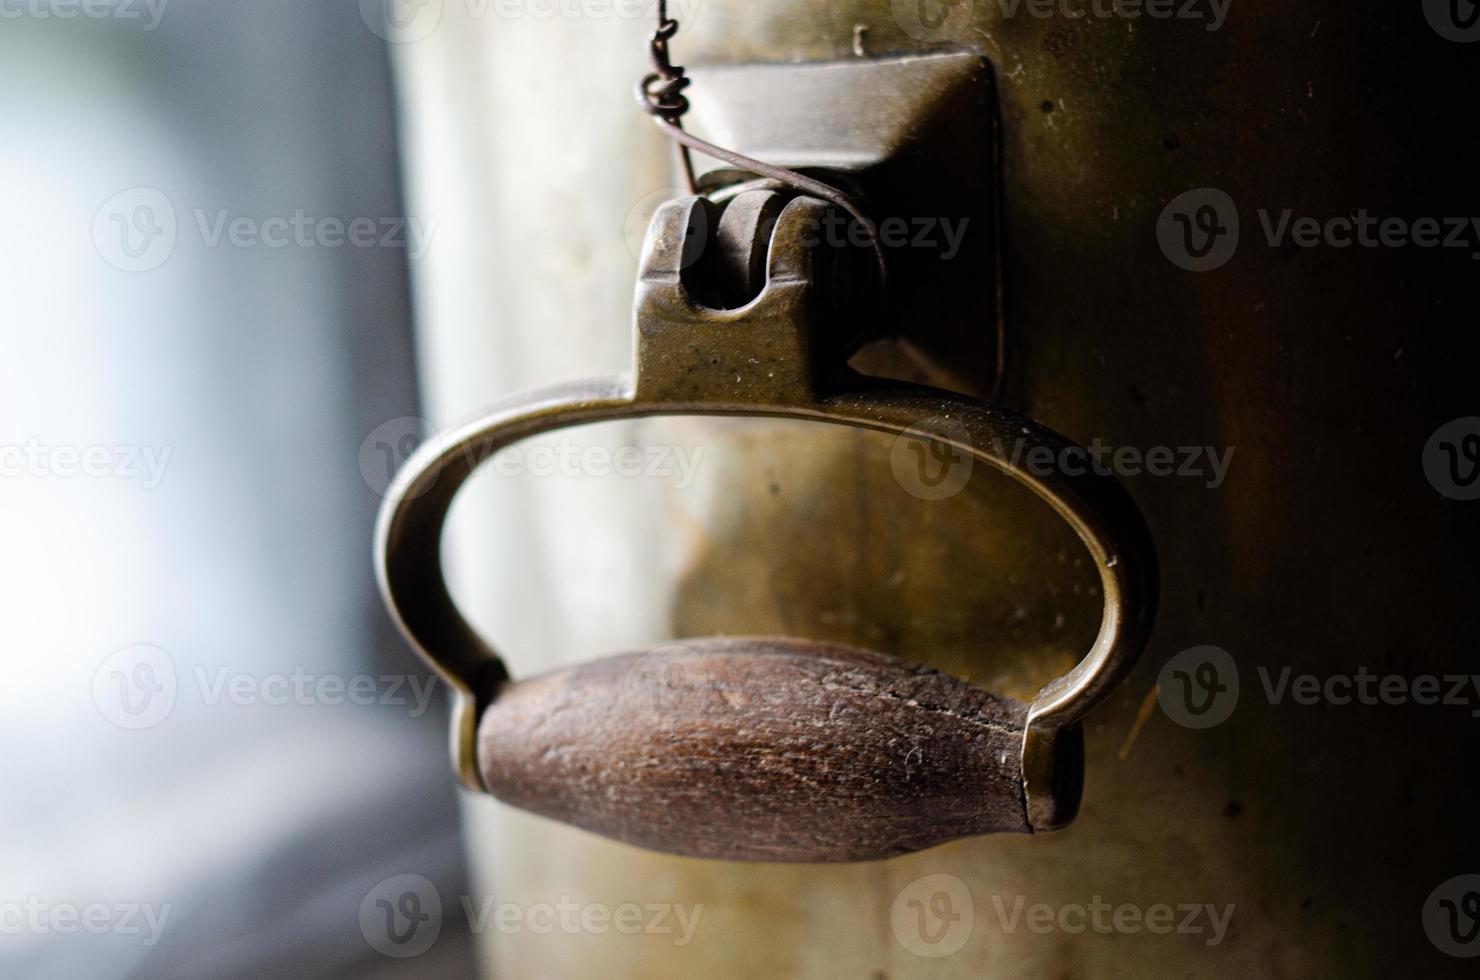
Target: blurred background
x,y
221,219
197,344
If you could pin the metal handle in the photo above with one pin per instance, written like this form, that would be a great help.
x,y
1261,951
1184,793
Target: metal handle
x,y
758,361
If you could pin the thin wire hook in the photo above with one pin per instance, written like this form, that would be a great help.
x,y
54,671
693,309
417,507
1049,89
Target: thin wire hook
x,y
661,95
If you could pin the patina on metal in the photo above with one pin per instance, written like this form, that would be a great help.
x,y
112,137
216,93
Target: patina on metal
x,y
769,358
1323,550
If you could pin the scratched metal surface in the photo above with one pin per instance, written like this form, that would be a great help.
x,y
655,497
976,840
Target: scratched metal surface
x,y
1325,371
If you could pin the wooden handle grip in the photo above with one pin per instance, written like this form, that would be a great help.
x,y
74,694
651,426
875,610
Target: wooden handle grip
x,y
759,750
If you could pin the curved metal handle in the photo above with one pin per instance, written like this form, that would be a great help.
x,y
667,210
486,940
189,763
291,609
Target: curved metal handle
x,y
410,531
757,361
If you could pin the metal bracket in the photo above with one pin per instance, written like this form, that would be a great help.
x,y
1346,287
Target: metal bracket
x,y
758,360
915,139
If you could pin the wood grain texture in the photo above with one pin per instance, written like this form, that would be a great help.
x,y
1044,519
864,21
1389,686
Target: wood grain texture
x,y
759,750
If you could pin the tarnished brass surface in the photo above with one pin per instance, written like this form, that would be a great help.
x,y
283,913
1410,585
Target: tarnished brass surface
x,y
767,359
1325,828
916,138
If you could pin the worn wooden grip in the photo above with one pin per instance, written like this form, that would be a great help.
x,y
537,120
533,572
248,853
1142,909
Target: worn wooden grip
x,y
759,750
